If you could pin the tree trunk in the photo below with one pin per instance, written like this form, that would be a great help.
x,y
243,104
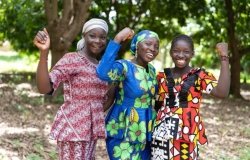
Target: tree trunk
x,y
64,27
233,47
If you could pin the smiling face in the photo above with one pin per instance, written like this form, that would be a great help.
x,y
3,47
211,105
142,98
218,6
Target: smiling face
x,y
95,42
182,52
147,50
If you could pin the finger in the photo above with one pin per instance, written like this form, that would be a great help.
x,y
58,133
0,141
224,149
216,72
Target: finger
x,y
42,36
46,32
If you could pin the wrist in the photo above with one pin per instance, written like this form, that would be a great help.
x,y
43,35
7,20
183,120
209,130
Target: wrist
x,y
117,39
43,59
224,58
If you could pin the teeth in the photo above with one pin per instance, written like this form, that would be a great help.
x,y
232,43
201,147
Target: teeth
x,y
181,61
150,54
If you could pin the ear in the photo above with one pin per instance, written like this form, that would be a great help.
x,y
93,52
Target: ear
x,y
193,53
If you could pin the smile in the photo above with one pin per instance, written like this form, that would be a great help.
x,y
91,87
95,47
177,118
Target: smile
x,y
150,55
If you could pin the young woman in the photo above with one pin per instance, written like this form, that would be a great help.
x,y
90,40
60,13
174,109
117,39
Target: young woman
x,y
179,128
80,120
129,121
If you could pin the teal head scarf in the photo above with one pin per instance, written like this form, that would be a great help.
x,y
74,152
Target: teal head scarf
x,y
140,37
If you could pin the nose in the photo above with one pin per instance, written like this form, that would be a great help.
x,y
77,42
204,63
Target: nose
x,y
152,48
97,40
181,54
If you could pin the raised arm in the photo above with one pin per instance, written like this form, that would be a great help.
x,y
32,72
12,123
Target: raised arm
x,y
109,69
111,97
42,42
222,89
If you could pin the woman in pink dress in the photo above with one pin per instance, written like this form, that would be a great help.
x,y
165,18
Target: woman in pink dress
x,y
80,120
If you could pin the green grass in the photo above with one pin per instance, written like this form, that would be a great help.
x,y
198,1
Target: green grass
x,y
245,153
13,62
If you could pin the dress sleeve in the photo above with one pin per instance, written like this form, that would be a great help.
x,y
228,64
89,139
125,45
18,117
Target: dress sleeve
x,y
207,81
62,71
109,69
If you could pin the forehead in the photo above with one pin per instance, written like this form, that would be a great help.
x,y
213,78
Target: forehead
x,y
181,43
97,31
151,40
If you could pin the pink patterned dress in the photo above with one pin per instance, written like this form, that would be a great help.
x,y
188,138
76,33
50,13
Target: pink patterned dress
x,y
81,117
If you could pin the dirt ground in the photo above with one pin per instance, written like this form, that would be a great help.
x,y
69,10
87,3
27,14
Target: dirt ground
x,y
25,123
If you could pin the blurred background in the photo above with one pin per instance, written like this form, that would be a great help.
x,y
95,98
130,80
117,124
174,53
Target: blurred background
x,y
26,115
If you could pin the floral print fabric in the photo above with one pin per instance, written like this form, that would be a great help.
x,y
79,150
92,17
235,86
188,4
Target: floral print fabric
x,y
131,116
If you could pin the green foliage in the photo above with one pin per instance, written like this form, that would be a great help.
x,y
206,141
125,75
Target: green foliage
x,y
214,24
34,156
164,17
20,20
245,153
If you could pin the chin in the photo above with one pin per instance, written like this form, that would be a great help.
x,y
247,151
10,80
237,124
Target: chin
x,y
181,66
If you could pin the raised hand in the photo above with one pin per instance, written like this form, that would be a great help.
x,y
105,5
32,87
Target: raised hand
x,y
124,34
42,40
222,49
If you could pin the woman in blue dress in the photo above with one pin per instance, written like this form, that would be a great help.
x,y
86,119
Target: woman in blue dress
x,y
129,121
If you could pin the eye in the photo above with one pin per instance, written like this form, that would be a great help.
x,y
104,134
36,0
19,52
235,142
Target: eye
x,y
147,43
103,37
176,51
92,36
156,47
186,52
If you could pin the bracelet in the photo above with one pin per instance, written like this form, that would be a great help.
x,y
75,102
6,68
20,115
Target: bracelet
x,y
43,60
224,58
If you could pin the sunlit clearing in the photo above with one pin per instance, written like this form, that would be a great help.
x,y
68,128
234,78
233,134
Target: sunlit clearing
x,y
15,130
6,155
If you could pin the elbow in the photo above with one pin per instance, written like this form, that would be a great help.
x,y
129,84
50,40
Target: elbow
x,y
221,92
101,75
223,95
43,91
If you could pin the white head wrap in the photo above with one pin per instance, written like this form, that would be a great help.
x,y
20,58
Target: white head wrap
x,y
91,24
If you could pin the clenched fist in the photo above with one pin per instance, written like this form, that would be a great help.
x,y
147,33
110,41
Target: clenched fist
x,y
222,49
42,40
124,34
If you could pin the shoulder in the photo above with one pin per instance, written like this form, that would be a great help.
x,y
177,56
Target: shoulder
x,y
162,73
70,56
205,74
151,67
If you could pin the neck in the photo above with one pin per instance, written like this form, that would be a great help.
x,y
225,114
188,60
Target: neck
x,y
140,63
179,72
90,57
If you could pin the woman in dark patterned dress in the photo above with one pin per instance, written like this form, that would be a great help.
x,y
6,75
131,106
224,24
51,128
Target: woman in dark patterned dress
x,y
179,128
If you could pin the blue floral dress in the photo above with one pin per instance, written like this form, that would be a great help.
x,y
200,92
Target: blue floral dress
x,y
129,121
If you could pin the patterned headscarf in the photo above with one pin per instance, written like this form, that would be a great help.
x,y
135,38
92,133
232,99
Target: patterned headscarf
x,y
140,37
91,24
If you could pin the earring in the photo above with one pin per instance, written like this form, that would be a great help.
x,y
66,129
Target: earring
x,y
136,53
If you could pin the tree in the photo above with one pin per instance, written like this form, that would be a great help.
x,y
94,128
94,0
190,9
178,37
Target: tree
x,y
228,21
21,19
64,24
164,17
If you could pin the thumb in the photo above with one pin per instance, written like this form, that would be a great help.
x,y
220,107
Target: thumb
x,y
45,30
